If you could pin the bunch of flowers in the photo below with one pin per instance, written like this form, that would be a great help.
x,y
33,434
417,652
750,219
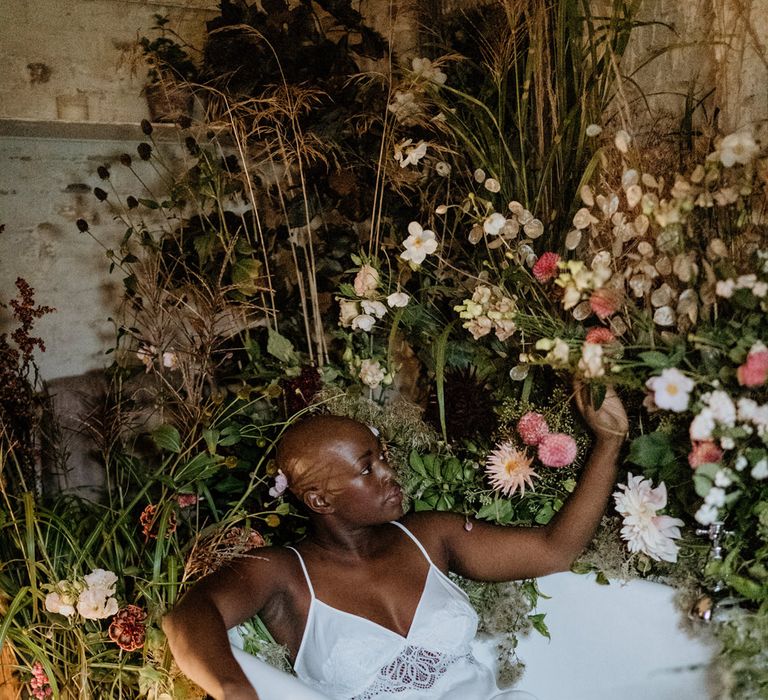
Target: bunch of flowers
x,y
91,596
40,685
488,309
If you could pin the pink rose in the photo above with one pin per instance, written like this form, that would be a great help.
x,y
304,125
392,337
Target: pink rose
x,y
366,281
754,371
704,452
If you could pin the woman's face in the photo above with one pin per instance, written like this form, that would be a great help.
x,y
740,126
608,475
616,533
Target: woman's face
x,y
362,487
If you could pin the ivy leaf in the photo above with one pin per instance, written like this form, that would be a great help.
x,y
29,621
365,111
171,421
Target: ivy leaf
x,y
539,625
166,437
652,450
280,347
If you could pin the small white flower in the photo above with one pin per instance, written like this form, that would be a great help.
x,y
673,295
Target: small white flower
x,y
363,322
100,578
671,390
715,497
398,299
404,106
406,154
591,362
727,443
494,223
706,515
746,409
146,355
492,185
420,243
170,360
741,463
374,308
424,69
442,168
94,604
760,289
723,410
760,470
371,373
725,288
55,603
723,479
738,148
594,130
702,426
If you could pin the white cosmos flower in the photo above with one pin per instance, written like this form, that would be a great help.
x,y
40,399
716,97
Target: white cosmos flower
x,y
644,530
99,578
738,148
373,308
671,390
95,604
363,322
420,243
398,299
494,223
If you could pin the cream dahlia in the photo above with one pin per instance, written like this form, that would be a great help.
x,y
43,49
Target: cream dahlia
x,y
509,469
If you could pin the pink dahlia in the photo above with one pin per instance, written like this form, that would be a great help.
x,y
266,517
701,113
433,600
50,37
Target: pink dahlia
x,y
604,302
545,268
532,428
754,371
509,469
557,450
704,452
600,336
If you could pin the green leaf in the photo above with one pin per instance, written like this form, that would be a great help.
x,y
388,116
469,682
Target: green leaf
x,y
149,203
166,437
656,359
652,450
545,514
747,587
280,347
211,438
539,625
499,510
245,273
414,459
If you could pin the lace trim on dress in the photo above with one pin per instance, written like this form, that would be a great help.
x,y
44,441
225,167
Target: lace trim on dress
x,y
414,668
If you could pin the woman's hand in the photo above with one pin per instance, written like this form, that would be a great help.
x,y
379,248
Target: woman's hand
x,y
609,423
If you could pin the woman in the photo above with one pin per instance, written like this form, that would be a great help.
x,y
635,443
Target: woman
x,y
363,603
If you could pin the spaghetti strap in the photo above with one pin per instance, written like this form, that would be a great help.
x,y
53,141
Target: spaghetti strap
x,y
306,573
414,538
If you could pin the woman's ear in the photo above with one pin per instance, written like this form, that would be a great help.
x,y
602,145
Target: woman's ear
x,y
316,501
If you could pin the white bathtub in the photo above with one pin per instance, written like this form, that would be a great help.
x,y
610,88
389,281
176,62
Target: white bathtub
x,y
617,642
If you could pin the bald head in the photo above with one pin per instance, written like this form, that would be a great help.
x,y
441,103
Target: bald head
x,y
310,449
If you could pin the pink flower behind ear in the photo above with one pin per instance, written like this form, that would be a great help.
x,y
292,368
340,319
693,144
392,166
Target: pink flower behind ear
x,y
532,428
557,450
545,268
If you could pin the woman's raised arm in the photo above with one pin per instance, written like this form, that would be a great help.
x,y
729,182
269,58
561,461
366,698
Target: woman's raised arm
x,y
197,627
494,553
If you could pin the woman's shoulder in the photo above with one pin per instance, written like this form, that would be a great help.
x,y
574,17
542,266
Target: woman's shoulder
x,y
433,529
